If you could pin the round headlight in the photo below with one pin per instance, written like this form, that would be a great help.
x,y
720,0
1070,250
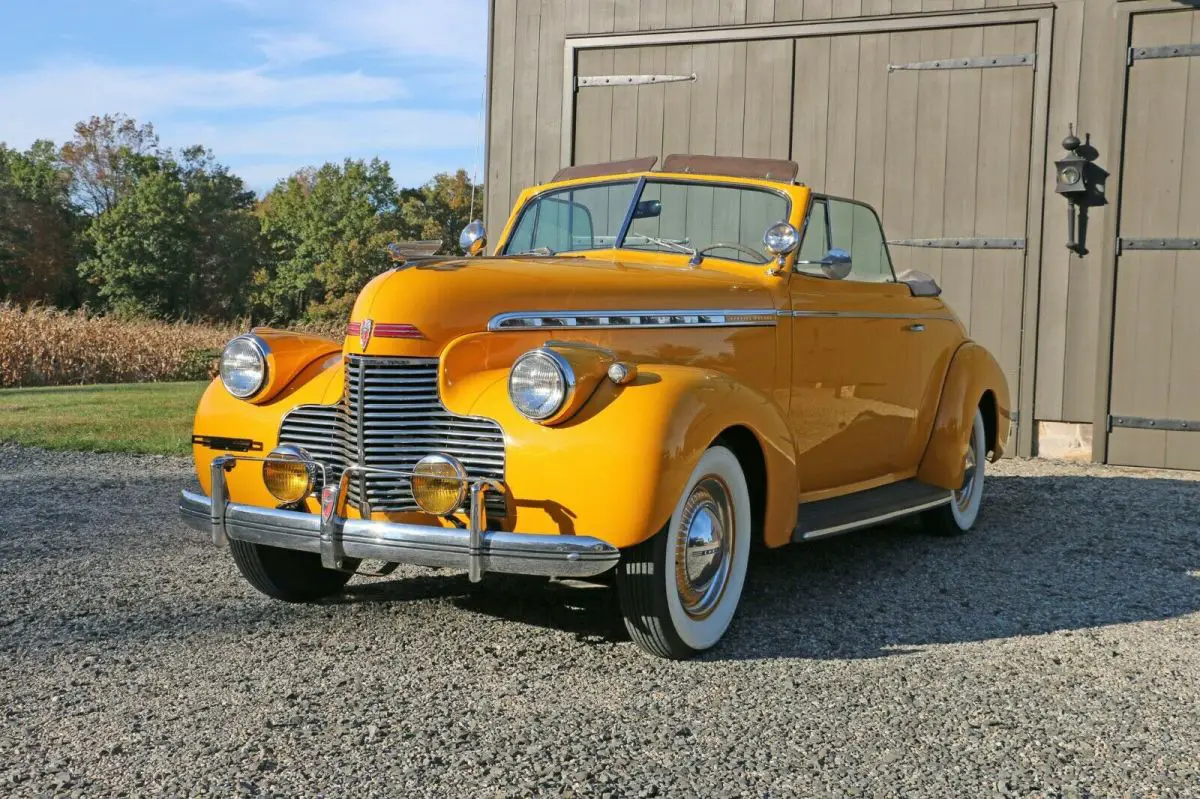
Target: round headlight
x,y
539,384
781,238
439,484
1070,175
244,366
288,474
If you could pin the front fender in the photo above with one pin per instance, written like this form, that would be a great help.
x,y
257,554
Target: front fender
x,y
973,375
617,468
221,414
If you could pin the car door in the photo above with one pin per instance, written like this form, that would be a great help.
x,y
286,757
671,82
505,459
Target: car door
x,y
858,374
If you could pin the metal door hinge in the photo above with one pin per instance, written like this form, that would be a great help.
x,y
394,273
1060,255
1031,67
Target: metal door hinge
x,y
1158,244
1144,423
980,62
1163,51
961,243
592,81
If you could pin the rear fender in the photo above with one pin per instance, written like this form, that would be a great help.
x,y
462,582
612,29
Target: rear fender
x,y
973,375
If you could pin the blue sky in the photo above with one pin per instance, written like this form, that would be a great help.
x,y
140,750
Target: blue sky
x,y
269,85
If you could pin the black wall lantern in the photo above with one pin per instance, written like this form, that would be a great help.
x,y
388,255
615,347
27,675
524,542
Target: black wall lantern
x,y
1081,181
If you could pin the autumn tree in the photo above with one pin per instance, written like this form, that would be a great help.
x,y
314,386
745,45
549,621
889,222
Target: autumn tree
x,y
105,157
38,226
441,208
326,231
180,242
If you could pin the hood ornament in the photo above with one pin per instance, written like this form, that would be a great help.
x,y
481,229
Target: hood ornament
x,y
364,332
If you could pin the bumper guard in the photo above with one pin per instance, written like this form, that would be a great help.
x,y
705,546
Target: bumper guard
x,y
336,538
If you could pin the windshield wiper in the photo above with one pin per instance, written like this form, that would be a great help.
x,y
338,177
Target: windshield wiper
x,y
676,246
546,251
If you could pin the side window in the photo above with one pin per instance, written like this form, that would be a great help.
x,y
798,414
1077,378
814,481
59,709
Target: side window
x,y
856,230
816,237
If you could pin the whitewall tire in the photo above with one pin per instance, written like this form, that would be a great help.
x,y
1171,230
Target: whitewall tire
x,y
960,514
680,589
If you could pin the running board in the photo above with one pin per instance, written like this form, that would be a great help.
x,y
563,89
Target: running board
x,y
866,508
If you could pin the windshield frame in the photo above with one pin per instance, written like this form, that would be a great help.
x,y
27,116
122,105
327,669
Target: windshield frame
x,y
640,182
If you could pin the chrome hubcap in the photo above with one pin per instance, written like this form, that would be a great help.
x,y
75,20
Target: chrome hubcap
x,y
704,548
962,497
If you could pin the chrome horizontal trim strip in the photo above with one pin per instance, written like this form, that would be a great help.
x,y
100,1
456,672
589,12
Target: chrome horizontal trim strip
x,y
863,315
861,523
513,553
587,320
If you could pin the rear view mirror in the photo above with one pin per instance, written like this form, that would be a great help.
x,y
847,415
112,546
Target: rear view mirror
x,y
647,209
835,264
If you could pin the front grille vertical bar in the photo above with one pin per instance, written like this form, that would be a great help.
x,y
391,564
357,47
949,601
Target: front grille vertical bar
x,y
364,504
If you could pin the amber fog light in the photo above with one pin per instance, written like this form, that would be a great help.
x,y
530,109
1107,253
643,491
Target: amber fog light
x,y
439,484
288,474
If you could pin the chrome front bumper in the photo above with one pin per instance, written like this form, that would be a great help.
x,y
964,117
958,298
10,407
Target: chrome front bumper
x,y
336,538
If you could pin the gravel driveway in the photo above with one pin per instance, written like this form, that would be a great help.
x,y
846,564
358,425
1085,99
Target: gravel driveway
x,y
1055,651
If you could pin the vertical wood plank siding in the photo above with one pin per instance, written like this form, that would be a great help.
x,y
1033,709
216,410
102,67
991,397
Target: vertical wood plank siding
x,y
938,152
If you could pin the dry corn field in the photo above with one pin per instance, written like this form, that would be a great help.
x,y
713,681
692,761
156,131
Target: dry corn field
x,y
47,347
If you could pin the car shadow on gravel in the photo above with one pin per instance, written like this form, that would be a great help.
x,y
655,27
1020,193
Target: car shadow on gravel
x,y
1048,554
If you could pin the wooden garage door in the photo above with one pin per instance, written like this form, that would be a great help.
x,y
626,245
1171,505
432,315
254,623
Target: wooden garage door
x,y
738,104
933,128
1155,394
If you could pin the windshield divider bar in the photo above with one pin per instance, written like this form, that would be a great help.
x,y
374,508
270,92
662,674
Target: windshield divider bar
x,y
628,222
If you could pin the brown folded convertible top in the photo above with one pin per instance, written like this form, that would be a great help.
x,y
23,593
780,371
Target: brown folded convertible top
x,y
610,168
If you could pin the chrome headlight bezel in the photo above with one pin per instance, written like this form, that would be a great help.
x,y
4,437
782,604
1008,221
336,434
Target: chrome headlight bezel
x,y
253,346
547,412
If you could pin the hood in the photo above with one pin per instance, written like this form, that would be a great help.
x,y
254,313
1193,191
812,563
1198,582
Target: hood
x,y
447,299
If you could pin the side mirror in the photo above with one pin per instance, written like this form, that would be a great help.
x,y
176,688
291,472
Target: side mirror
x,y
647,209
473,238
836,264
781,240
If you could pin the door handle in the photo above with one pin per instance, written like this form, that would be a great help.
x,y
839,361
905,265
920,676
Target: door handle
x,y
917,328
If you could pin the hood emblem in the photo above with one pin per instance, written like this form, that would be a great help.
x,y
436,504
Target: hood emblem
x,y
364,332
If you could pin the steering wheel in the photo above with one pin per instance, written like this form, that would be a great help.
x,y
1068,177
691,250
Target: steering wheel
x,y
722,245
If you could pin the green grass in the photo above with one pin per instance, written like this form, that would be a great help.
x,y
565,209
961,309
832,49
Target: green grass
x,y
148,418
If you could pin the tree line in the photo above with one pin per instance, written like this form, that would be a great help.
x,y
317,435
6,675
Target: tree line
x,y
115,222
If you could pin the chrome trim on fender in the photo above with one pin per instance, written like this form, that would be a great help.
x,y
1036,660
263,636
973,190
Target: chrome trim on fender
x,y
863,315
587,320
336,538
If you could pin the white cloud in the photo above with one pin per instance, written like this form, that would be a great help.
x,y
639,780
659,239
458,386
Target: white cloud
x,y
455,30
283,49
347,131
52,99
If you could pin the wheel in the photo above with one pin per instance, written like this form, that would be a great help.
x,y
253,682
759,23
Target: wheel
x,y
958,516
679,589
285,573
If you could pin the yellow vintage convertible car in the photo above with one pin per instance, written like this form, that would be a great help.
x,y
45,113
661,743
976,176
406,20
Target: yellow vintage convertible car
x,y
654,373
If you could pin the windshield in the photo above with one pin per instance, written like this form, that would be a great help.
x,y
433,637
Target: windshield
x,y
667,216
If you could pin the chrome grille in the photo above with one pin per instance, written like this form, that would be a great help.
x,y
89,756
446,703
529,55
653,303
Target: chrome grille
x,y
315,429
390,417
